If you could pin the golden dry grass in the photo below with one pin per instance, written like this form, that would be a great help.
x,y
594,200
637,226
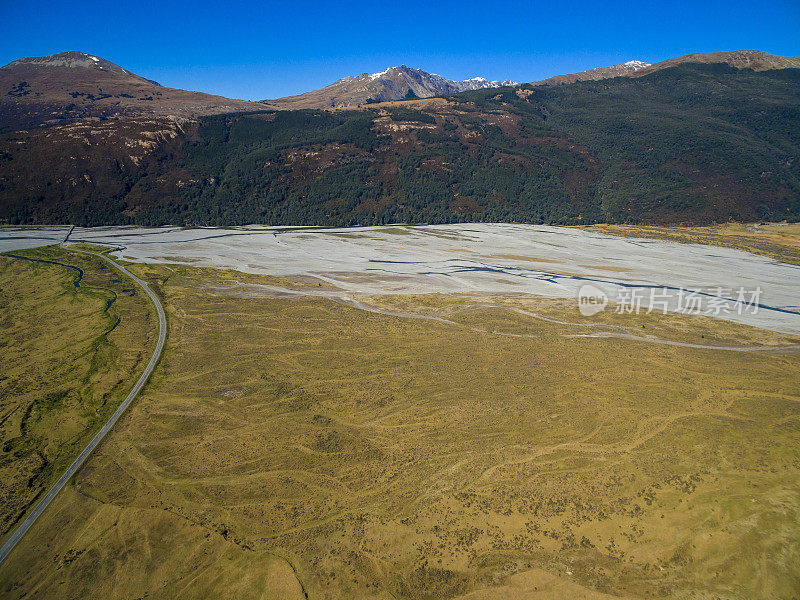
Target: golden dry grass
x,y
780,241
289,443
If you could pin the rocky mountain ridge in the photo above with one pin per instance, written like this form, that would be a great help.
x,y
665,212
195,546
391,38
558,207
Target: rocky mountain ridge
x,y
394,83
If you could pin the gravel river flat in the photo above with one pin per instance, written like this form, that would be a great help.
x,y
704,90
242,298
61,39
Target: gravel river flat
x,y
477,257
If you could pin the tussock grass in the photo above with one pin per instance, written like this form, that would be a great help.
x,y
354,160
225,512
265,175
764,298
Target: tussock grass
x,y
780,241
374,456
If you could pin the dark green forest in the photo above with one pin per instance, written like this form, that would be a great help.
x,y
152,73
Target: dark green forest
x,y
690,144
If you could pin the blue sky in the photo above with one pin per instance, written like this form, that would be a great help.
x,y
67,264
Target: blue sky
x,y
258,50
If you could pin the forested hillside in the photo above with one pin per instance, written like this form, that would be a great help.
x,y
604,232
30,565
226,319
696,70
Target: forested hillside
x,y
688,144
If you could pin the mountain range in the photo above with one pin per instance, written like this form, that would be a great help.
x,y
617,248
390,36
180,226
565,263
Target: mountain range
x,y
394,83
698,138
75,85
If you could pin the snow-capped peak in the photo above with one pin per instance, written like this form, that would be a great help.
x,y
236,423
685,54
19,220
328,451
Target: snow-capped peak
x,y
375,76
400,83
478,82
636,64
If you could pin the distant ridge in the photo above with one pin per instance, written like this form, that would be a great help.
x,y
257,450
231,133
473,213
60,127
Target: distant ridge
x,y
626,68
740,59
404,83
394,83
75,85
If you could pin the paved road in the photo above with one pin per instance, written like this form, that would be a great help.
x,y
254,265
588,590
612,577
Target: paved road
x,y
40,507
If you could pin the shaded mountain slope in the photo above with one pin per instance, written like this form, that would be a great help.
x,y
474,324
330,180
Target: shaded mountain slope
x,y
694,143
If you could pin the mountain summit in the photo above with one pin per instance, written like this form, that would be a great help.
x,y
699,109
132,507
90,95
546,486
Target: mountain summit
x,y
76,61
394,83
72,85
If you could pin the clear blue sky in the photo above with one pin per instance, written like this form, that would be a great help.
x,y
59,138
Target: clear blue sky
x,y
267,49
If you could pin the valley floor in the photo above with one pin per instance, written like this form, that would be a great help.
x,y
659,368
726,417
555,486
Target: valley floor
x,y
303,439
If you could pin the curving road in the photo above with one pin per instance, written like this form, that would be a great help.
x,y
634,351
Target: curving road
x,y
40,507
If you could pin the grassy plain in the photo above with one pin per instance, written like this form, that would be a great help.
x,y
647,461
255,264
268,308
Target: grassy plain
x,y
68,355
291,448
780,241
